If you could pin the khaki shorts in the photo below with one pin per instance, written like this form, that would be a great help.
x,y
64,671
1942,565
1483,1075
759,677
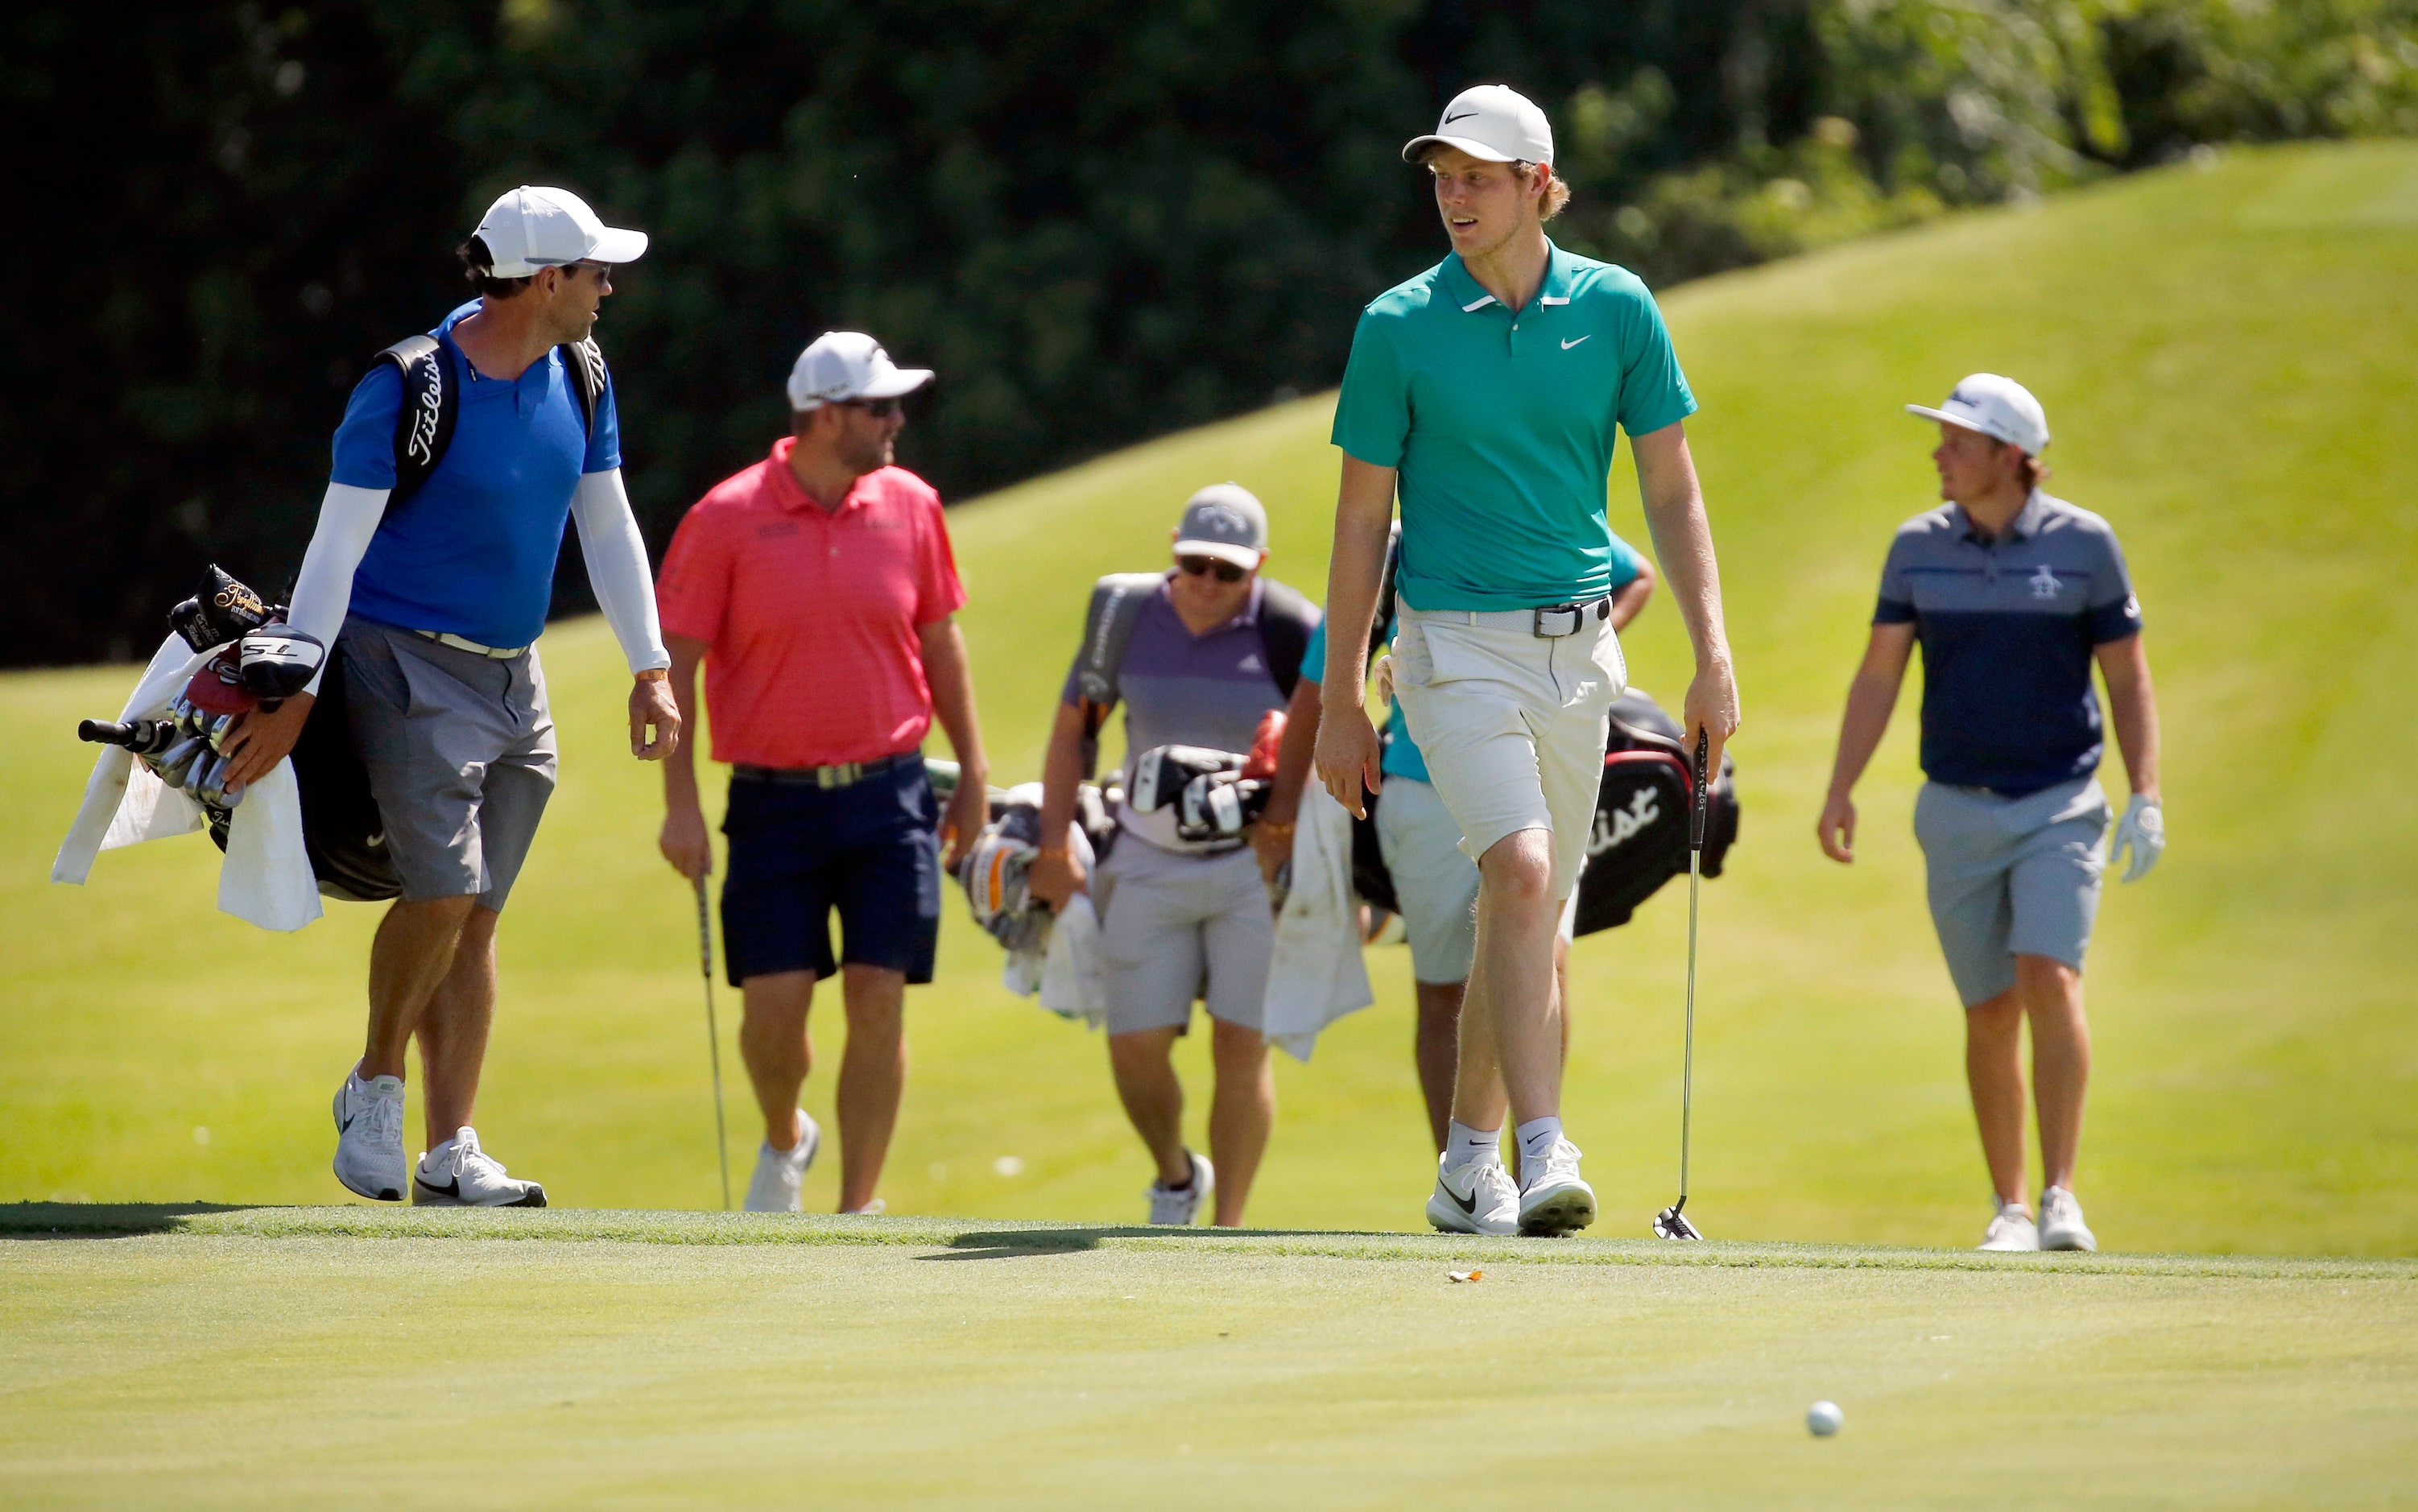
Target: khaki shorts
x,y
1512,725
1177,926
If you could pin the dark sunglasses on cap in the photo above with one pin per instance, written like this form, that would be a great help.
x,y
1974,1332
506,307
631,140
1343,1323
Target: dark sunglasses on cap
x,y
1227,571
878,409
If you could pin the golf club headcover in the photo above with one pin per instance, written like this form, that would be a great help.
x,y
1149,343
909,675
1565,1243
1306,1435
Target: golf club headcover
x,y
218,689
1163,772
1265,742
221,610
1220,806
277,660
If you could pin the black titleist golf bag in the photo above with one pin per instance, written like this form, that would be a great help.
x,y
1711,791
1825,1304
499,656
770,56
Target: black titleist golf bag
x,y
256,662
1639,839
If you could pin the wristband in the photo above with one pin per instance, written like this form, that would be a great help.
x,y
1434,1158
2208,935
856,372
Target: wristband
x,y
1276,828
654,673
1053,853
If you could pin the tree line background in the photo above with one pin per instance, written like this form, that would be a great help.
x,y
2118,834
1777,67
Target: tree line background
x,y
1099,222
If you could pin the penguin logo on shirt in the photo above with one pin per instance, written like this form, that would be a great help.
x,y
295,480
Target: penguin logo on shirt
x,y
2044,582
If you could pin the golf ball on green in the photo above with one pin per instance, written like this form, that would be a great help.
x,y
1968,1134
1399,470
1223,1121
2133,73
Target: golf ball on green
x,y
1821,1419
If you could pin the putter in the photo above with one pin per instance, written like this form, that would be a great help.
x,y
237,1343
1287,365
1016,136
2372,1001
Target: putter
x,y
712,1037
1671,1222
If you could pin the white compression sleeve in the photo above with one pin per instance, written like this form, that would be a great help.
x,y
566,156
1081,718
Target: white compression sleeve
x,y
348,518
616,567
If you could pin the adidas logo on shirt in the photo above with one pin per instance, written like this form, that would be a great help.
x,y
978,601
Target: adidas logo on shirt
x,y
1251,663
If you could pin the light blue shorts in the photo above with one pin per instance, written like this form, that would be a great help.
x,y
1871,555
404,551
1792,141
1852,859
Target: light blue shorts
x,y
2012,876
1434,880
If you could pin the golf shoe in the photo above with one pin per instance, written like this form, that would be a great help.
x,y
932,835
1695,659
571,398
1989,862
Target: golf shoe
x,y
369,1137
458,1174
2061,1222
1479,1198
2011,1230
1179,1205
780,1172
1553,1199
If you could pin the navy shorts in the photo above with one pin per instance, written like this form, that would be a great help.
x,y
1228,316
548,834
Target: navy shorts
x,y
870,851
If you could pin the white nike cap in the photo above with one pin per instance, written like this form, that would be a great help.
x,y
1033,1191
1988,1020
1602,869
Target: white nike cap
x,y
1225,521
841,365
1495,122
530,228
1998,408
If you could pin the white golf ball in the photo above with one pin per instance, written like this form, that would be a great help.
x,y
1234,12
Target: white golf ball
x,y
1821,1419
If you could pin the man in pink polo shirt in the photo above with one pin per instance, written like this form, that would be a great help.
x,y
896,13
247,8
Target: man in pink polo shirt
x,y
817,586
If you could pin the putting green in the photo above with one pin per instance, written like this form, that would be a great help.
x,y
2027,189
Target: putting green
x,y
2224,357
683,1359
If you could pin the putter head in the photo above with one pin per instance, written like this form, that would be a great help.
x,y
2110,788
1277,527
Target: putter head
x,y
1672,1224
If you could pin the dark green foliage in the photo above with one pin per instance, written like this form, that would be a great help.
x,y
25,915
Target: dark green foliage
x,y
1099,222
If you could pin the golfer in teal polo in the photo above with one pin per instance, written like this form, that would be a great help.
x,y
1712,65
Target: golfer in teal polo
x,y
1489,391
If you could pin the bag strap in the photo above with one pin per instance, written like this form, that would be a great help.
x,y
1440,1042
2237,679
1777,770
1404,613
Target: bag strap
x,y
1108,620
1286,621
583,361
432,402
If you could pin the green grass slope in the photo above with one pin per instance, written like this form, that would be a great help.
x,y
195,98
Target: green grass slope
x,y
899,1362
2224,357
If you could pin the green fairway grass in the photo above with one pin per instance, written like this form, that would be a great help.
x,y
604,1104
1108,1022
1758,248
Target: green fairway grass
x,y
285,1358
2225,355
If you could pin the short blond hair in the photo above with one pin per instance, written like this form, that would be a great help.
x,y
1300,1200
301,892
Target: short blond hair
x,y
1553,197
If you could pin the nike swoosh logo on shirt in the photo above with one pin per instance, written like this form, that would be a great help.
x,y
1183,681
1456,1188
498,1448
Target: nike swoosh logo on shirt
x,y
1588,337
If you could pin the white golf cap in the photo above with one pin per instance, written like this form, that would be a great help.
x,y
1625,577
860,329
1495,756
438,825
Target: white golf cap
x,y
1998,408
848,364
530,228
1224,521
1495,122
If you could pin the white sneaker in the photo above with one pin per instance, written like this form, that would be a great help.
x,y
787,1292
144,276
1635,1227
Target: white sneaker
x,y
1183,1205
458,1174
369,1137
774,1188
2061,1222
2011,1230
1553,1199
871,1210
1490,1204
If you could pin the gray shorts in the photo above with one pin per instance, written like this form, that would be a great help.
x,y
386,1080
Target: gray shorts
x,y
1434,880
1174,927
460,751
2011,877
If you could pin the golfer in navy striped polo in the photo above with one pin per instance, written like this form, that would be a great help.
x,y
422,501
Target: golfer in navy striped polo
x,y
2013,595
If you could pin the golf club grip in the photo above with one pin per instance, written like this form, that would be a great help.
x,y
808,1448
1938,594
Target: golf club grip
x,y
1702,798
106,732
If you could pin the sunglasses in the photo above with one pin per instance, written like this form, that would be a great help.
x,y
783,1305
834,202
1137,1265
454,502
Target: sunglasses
x,y
878,409
1227,571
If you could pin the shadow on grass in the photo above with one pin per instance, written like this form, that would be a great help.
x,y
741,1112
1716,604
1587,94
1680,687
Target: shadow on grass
x,y
1009,1243
102,1220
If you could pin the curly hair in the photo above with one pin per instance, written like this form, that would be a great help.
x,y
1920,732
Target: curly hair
x,y
477,261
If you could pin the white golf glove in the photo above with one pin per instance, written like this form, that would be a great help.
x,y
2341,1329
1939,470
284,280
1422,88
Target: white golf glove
x,y
2144,829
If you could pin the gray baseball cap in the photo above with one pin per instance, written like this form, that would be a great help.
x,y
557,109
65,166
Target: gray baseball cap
x,y
1225,521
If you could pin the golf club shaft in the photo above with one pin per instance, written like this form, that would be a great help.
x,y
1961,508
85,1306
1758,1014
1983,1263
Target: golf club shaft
x,y
712,1037
1687,1056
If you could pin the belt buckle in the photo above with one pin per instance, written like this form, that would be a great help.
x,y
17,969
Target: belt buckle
x,y
1540,624
843,774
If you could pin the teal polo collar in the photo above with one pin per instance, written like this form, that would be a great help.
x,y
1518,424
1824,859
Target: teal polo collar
x,y
1467,293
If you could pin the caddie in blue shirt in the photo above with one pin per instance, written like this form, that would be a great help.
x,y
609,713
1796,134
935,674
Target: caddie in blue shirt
x,y
2013,595
1490,392
431,598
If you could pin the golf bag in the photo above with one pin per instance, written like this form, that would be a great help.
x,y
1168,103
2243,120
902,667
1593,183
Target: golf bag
x,y
256,662
996,871
1639,839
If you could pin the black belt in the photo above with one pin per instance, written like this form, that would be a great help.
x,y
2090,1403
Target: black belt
x,y
845,774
